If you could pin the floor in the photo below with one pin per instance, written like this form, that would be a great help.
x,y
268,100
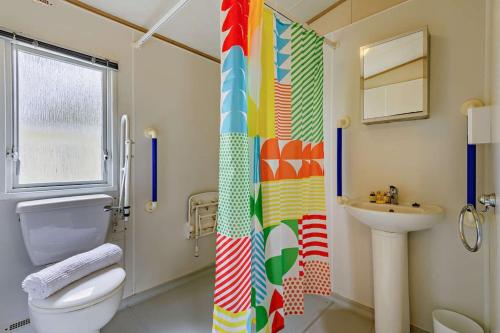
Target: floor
x,y
188,309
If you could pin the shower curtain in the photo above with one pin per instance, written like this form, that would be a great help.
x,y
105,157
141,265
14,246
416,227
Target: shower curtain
x,y
272,245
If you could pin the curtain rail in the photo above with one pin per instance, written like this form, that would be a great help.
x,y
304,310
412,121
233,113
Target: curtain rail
x,y
165,18
331,43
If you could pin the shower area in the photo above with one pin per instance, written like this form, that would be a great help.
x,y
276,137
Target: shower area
x,y
273,268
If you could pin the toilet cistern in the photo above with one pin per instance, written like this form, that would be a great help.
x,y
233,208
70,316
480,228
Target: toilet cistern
x,y
55,229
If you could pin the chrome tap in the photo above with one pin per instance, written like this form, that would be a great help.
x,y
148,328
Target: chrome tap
x,y
394,195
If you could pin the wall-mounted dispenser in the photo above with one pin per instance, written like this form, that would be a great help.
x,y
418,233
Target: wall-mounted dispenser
x,y
479,125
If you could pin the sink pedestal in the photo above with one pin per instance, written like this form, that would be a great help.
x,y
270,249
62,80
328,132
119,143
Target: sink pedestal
x,y
390,225
390,274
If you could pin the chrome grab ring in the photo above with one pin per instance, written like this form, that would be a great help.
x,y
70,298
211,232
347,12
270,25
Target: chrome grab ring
x,y
479,228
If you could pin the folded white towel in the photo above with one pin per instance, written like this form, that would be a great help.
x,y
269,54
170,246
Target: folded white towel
x,y
46,282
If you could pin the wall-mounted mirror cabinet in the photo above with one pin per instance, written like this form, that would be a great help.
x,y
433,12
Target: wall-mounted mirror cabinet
x,y
395,78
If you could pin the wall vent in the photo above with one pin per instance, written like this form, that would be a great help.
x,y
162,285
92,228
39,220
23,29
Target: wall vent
x,y
43,2
18,324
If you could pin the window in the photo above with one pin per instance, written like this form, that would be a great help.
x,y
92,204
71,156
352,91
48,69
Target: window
x,y
58,121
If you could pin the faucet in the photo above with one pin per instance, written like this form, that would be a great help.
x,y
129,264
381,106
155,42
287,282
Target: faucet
x,y
393,194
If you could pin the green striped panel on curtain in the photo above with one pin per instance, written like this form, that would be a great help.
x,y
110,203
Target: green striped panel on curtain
x,y
307,83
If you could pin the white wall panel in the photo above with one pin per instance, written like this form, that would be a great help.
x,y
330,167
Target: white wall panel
x,y
424,158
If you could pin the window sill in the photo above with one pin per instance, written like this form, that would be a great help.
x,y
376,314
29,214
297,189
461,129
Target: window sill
x,y
49,193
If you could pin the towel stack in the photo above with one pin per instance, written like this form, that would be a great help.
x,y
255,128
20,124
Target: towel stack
x,y
46,282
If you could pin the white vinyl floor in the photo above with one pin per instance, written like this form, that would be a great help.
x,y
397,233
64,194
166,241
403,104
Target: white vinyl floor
x,y
188,309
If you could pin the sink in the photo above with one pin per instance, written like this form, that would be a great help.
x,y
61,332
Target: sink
x,y
400,218
390,225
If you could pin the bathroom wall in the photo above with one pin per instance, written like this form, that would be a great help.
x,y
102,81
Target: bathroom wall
x,y
492,160
181,100
159,86
346,12
424,158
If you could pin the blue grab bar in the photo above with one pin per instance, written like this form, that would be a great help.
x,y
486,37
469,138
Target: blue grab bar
x,y
154,171
342,123
471,174
153,204
339,162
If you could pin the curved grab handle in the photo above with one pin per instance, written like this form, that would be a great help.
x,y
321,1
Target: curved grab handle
x,y
151,205
479,228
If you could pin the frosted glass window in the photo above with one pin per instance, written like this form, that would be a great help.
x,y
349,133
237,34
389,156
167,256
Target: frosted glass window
x,y
60,121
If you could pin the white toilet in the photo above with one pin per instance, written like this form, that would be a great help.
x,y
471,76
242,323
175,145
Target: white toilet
x,y
55,229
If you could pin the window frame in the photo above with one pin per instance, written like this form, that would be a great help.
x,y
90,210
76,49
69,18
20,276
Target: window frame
x,y
10,182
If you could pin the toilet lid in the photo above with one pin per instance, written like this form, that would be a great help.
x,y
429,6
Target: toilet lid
x,y
85,291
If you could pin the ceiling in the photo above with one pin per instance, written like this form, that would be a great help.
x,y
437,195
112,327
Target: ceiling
x,y
197,23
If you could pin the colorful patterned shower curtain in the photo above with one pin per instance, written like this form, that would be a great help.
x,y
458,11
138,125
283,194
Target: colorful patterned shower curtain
x,y
272,245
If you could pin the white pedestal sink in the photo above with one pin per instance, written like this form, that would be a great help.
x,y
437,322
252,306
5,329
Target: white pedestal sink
x,y
390,225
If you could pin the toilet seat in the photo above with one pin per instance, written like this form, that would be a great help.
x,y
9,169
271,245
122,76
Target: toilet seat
x,y
83,293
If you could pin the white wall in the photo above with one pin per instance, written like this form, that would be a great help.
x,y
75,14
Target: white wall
x,y
492,183
426,159
181,100
159,85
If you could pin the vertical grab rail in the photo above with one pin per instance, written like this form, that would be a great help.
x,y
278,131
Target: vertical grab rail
x,y
339,162
471,174
342,123
470,207
153,204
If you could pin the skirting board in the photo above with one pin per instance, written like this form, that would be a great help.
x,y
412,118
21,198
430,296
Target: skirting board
x,y
363,310
150,293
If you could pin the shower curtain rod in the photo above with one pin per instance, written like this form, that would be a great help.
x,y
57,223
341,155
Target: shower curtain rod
x,y
168,15
328,42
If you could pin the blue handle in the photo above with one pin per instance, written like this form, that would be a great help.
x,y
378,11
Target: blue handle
x,y
154,173
471,174
339,162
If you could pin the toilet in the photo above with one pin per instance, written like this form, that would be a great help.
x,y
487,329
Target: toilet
x,y
55,229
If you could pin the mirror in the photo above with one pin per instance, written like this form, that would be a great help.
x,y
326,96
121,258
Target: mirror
x,y
395,78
